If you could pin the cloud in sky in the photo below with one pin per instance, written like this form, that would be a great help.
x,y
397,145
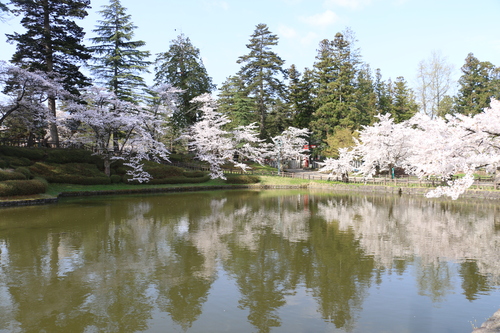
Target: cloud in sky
x,y
351,4
309,38
287,32
322,20
217,4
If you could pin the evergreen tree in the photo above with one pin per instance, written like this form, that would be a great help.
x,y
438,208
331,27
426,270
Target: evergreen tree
x,y
480,81
51,43
382,93
119,62
446,106
235,103
300,96
404,105
336,70
182,67
366,98
3,11
263,74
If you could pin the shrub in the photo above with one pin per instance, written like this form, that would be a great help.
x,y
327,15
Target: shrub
x,y
15,161
115,179
25,171
194,174
171,180
52,169
80,180
72,156
22,187
121,170
70,173
11,175
3,163
34,154
242,179
159,171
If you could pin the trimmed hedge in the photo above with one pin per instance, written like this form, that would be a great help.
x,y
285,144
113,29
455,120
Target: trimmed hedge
x,y
53,169
194,174
14,161
159,171
70,173
63,156
242,179
25,171
179,180
22,187
11,175
80,180
34,154
115,179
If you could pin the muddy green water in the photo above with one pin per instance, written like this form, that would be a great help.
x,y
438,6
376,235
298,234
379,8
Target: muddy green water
x,y
249,261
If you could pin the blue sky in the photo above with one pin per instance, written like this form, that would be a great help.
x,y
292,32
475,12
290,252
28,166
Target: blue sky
x,y
393,35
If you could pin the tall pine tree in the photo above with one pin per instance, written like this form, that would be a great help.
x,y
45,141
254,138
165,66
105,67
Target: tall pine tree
x,y
480,81
235,103
300,96
52,43
182,67
383,93
263,74
404,105
336,71
119,62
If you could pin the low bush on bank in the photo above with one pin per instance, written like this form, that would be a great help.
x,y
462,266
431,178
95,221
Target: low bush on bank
x,y
22,187
115,179
242,179
34,154
11,175
159,171
25,171
71,173
179,180
63,156
194,174
80,180
14,161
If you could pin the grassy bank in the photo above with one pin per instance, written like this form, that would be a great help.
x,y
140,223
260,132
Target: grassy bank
x,y
55,189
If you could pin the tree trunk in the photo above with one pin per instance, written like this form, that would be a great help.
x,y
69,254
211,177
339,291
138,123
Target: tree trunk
x,y
107,166
49,62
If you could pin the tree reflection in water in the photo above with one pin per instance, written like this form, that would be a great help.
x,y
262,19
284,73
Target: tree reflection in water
x,y
111,264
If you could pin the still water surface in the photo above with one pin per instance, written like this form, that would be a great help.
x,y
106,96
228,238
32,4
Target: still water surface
x,y
249,261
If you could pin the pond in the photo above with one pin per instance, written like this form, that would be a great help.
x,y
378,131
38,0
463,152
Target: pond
x,y
249,261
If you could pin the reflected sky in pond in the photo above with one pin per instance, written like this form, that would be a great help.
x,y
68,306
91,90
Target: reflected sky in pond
x,y
249,261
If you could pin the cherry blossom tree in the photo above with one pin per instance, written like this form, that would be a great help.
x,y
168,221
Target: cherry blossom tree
x,y
458,144
340,166
24,96
217,146
384,145
100,113
289,145
436,147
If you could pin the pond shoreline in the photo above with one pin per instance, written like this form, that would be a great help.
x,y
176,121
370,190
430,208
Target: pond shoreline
x,y
418,191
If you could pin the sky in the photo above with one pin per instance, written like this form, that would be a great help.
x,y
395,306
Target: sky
x,y
393,35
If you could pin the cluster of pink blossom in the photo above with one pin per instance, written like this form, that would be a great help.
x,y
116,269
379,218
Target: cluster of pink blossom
x,y
217,146
117,129
428,147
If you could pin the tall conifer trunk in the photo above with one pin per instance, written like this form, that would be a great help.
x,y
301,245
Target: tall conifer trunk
x,y
49,62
